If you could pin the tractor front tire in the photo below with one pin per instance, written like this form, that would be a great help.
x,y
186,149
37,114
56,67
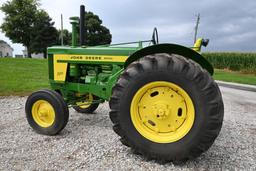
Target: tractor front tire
x,y
166,108
46,112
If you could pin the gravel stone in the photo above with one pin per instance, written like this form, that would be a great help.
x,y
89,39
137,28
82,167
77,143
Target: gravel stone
x,y
88,142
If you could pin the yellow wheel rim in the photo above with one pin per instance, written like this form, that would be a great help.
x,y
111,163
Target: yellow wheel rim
x,y
162,112
86,104
43,113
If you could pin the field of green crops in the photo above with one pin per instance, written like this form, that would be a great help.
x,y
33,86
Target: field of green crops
x,y
234,61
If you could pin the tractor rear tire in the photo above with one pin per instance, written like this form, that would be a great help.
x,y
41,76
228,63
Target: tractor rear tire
x,y
166,108
46,112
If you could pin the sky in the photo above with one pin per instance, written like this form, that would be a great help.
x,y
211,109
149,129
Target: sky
x,y
229,24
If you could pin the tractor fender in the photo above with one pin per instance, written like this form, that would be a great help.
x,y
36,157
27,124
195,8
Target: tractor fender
x,y
171,49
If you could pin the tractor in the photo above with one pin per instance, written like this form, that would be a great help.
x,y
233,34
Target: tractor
x,y
164,103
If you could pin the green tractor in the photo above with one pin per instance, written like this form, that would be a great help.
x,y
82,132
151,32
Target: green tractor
x,y
164,103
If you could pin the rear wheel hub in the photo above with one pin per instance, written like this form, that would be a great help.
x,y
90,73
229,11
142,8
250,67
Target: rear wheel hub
x,y
162,112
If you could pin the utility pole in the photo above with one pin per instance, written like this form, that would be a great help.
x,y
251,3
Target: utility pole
x,y
196,27
61,34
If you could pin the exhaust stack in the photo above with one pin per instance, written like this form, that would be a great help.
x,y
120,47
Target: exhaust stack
x,y
82,25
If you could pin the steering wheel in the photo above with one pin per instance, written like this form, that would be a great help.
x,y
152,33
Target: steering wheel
x,y
155,36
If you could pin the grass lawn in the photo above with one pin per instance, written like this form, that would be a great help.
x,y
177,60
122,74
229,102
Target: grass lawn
x,y
235,77
23,76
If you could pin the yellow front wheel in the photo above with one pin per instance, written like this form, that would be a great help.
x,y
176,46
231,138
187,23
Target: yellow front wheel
x,y
43,113
166,107
46,112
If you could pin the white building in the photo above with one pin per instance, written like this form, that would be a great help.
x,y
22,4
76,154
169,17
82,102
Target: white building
x,y
33,55
5,49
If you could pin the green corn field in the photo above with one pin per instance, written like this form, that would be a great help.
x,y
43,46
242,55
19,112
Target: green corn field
x,y
234,61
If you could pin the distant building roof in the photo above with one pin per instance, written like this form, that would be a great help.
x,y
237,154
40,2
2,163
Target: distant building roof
x,y
5,43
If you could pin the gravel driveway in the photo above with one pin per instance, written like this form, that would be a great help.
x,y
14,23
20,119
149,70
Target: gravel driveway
x,y
89,143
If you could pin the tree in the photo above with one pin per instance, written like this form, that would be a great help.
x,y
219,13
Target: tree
x,y
20,16
96,33
44,34
24,23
